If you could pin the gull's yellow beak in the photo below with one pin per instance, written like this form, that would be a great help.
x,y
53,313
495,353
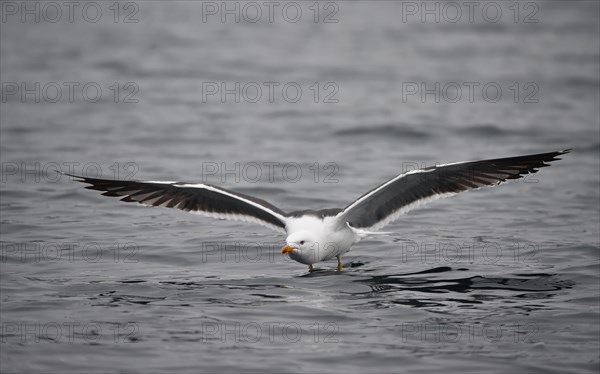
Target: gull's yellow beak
x,y
286,248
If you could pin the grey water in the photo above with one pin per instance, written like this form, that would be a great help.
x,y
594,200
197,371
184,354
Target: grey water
x,y
306,107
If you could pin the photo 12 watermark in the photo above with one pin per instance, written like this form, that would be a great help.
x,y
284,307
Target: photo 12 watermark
x,y
426,332
454,253
68,332
273,332
69,252
436,172
450,12
470,92
260,252
269,171
57,171
127,12
69,92
269,92
240,252
270,11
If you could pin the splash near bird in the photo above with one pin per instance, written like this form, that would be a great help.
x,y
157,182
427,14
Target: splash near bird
x,y
320,235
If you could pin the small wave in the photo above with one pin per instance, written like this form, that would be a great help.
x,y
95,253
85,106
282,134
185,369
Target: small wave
x,y
387,130
485,130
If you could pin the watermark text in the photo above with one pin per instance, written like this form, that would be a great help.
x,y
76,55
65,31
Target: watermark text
x,y
69,11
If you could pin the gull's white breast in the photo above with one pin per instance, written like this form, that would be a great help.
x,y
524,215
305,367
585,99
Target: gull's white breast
x,y
331,238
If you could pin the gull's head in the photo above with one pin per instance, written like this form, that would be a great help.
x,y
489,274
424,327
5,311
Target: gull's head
x,y
302,246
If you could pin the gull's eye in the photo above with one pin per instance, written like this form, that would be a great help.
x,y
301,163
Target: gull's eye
x,y
302,242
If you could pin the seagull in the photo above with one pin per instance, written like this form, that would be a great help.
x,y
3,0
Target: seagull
x,y
320,235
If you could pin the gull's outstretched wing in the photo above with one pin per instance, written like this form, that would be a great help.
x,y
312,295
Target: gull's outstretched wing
x,y
397,196
201,199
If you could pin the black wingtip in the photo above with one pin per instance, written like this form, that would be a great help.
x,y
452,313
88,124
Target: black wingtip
x,y
78,178
560,153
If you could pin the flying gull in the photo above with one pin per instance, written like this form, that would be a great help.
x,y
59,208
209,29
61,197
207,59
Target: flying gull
x,y
320,235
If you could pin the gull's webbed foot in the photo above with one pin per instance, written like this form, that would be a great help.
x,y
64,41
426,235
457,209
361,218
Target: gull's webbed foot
x,y
310,268
339,265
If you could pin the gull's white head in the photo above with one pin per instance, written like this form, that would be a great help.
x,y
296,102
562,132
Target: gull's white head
x,y
302,246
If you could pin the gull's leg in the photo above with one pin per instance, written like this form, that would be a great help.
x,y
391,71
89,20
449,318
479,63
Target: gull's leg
x,y
310,268
339,265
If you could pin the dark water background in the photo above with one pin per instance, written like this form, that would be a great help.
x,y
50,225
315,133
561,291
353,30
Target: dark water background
x,y
496,280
